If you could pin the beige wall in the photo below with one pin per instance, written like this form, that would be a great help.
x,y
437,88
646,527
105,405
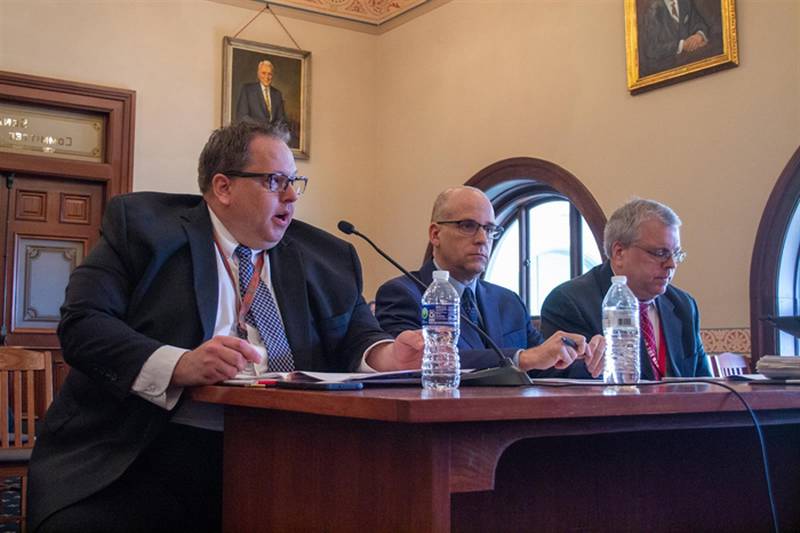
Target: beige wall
x,y
170,53
474,82
398,116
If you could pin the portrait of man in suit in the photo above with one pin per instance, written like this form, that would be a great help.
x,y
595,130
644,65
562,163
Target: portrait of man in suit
x,y
677,32
260,101
268,84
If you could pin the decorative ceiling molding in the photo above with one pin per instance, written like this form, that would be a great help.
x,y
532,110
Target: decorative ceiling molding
x,y
370,16
375,12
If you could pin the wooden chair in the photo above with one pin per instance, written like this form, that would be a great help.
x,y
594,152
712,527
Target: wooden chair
x,y
18,415
729,364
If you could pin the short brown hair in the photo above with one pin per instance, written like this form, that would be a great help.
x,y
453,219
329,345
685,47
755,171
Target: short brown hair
x,y
227,148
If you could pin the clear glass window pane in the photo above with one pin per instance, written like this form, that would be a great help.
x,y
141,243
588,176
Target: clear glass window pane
x,y
549,244
503,268
788,283
591,255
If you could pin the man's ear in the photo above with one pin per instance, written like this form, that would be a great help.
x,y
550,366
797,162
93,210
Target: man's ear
x,y
221,188
617,252
433,234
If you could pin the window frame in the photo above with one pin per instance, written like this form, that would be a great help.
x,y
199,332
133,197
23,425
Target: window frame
x,y
515,205
507,179
766,259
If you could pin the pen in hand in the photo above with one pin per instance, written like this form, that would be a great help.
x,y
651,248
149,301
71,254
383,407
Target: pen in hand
x,y
569,342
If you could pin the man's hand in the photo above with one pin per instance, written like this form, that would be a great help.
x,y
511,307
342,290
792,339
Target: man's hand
x,y
692,43
213,361
553,352
405,353
595,355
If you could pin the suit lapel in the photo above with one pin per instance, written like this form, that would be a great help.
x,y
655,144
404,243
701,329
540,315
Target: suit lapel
x,y
289,285
197,225
490,313
672,327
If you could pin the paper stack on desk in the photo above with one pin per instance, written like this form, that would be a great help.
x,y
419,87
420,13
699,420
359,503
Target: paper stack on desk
x,y
779,367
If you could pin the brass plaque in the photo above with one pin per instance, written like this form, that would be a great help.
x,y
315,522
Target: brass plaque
x,y
52,132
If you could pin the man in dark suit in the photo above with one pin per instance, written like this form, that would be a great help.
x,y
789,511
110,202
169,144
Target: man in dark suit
x,y
260,101
672,31
186,290
641,242
461,233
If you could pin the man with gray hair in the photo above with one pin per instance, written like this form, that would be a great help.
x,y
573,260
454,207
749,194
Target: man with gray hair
x,y
641,241
260,101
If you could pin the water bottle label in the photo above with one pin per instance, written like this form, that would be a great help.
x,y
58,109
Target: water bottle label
x,y
439,314
620,319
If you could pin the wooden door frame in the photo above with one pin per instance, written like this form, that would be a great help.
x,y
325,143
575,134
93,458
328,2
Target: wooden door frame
x,y
119,107
114,173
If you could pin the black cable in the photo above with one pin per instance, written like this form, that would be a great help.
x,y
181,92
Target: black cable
x,y
756,424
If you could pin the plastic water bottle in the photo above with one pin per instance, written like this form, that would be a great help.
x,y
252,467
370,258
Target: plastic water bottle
x,y
440,327
621,329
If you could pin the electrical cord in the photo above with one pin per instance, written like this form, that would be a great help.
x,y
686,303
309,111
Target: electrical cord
x,y
756,424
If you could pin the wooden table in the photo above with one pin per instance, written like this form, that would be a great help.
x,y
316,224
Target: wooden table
x,y
674,457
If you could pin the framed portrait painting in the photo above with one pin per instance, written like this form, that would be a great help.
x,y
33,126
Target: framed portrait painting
x,y
668,41
268,83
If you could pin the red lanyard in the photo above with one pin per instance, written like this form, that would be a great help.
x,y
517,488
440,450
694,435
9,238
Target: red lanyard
x,y
243,304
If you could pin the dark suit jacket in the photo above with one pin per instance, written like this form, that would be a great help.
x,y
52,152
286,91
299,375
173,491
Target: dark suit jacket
x,y
252,105
398,308
661,34
576,306
152,280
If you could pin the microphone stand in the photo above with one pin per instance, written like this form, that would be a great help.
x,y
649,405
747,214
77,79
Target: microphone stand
x,y
504,375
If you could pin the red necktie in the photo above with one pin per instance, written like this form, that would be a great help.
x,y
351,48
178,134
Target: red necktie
x,y
649,339
674,8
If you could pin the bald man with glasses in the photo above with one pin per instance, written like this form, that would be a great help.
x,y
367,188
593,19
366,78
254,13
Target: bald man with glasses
x,y
641,241
461,234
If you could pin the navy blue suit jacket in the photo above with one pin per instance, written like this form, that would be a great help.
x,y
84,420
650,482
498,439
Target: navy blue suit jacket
x,y
152,280
251,104
576,306
398,308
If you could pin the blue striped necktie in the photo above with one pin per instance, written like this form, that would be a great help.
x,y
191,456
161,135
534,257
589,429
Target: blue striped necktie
x,y
263,315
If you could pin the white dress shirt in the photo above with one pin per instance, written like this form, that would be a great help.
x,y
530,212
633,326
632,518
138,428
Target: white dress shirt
x,y
153,381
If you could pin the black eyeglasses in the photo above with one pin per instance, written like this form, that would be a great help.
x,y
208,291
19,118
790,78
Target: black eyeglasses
x,y
470,227
274,181
663,255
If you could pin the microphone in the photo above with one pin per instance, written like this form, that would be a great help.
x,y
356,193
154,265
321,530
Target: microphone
x,y
505,374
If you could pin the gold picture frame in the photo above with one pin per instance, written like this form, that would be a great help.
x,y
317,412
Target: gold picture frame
x,y
243,95
666,44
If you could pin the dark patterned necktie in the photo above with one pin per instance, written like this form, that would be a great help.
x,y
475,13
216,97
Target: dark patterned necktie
x,y
469,306
263,315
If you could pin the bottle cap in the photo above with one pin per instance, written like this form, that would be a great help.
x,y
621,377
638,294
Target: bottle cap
x,y
619,279
442,275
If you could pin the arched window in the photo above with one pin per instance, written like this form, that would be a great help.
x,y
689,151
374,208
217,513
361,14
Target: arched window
x,y
553,227
775,266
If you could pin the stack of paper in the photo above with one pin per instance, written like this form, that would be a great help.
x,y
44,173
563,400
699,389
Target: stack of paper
x,y
777,367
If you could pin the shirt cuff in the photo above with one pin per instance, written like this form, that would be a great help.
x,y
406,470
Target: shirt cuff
x,y
364,367
152,383
516,358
